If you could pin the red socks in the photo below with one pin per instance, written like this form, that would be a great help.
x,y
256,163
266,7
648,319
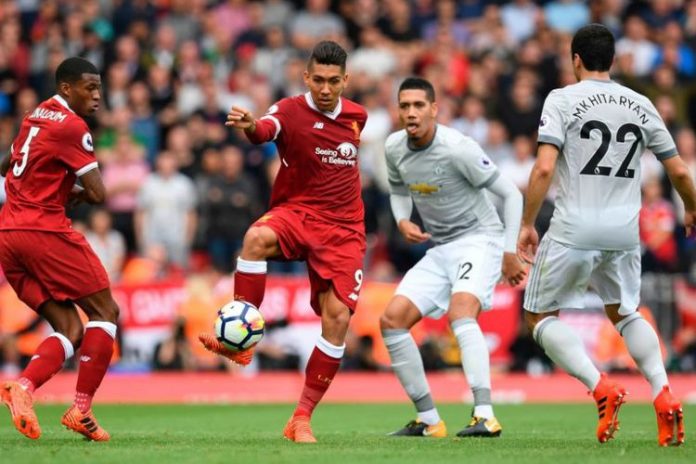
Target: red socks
x,y
250,281
321,369
47,361
95,356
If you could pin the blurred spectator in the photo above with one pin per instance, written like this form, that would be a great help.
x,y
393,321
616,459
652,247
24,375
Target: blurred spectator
x,y
657,223
230,205
497,146
634,45
472,121
519,167
315,23
566,15
107,243
166,213
520,18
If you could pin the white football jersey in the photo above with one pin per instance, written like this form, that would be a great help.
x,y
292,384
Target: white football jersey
x,y
601,129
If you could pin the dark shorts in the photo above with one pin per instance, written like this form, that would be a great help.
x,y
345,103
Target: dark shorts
x,y
334,252
43,266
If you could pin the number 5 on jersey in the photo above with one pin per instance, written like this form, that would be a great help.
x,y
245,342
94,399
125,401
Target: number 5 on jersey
x,y
18,169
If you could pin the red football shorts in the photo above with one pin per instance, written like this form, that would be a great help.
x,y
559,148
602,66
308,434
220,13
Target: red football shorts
x,y
43,266
334,252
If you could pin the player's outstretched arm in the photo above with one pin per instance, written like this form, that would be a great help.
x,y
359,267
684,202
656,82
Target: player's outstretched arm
x,y
513,268
680,177
241,118
539,183
256,130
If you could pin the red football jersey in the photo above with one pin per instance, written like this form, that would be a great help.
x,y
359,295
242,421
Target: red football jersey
x,y
319,156
53,148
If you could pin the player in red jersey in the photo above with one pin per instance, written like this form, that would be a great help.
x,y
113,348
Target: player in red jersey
x,y
316,215
50,266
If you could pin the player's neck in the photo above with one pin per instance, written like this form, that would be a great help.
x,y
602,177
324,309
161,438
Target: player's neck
x,y
594,75
425,141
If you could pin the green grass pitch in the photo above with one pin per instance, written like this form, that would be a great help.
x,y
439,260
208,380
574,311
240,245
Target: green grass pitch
x,y
251,434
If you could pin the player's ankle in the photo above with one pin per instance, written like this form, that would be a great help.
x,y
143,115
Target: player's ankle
x,y
302,413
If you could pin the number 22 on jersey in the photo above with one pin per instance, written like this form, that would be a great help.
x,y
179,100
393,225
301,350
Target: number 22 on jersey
x,y
18,169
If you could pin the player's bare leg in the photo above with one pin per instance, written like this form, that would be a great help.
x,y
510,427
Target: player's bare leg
x,y
463,315
46,362
95,356
565,348
260,243
644,346
398,318
322,366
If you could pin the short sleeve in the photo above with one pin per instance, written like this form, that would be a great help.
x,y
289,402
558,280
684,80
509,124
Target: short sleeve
x,y
660,141
470,159
552,122
77,148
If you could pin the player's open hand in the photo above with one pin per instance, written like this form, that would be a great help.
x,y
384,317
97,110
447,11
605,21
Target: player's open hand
x,y
240,118
527,244
412,233
513,269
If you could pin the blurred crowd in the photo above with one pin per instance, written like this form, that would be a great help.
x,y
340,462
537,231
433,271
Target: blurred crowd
x,y
182,189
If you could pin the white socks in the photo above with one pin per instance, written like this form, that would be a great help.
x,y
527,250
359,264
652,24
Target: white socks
x,y
565,348
644,346
476,364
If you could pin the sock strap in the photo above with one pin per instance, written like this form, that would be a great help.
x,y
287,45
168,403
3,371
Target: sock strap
x,y
623,323
540,327
251,267
330,349
108,327
68,347
464,324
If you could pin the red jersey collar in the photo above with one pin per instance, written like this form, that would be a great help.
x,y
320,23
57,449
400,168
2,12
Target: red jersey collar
x,y
329,114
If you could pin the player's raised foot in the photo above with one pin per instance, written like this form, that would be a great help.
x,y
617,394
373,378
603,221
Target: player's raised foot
x,y
481,427
85,424
609,397
299,430
670,419
212,344
21,406
416,428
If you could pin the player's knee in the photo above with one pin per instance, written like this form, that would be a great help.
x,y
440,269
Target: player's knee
x,y
74,334
389,321
110,312
255,243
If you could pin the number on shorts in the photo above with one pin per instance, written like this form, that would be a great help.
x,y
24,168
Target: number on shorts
x,y
464,269
358,284
18,169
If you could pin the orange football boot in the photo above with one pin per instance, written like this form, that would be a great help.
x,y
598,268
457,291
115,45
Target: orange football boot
x,y
212,344
670,419
21,406
609,397
298,430
84,423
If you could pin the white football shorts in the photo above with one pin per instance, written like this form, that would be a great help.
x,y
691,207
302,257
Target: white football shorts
x,y
561,274
470,264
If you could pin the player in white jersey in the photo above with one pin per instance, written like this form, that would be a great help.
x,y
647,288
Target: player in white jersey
x,y
592,134
444,173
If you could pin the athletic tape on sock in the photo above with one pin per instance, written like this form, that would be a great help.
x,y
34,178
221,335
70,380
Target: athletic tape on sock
x,y
621,325
394,336
68,347
329,349
252,267
108,327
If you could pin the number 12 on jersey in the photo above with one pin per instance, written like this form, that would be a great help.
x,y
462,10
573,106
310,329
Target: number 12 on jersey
x,y
18,169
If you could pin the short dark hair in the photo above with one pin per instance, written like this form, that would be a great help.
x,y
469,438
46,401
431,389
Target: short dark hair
x,y
329,52
594,44
418,83
72,69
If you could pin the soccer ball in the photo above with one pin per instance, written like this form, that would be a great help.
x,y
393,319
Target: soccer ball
x,y
239,325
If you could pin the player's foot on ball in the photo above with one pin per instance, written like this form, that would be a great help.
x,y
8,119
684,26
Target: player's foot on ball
x,y
84,423
481,427
212,344
21,406
299,430
609,397
416,428
670,419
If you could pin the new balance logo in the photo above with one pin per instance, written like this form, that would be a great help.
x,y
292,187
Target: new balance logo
x,y
318,125
85,358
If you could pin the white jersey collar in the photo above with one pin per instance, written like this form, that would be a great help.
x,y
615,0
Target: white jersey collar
x,y
62,101
330,114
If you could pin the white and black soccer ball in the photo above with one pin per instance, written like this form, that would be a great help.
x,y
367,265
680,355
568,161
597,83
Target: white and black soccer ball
x,y
239,325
